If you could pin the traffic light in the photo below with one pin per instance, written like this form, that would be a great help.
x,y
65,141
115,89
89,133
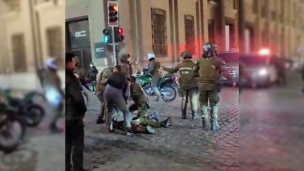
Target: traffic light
x,y
106,38
112,13
118,34
107,35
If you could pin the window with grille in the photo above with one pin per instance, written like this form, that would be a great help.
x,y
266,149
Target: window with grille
x,y
189,34
159,32
55,44
19,53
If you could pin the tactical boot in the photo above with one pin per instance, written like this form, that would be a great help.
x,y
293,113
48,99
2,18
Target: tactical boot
x,y
194,115
204,124
184,114
214,126
165,123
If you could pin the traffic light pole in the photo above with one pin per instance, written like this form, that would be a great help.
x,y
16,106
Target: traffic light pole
x,y
114,44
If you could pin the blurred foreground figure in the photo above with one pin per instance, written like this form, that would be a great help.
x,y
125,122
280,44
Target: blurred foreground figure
x,y
75,111
53,93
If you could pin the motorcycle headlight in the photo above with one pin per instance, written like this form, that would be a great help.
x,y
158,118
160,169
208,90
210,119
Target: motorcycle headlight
x,y
263,72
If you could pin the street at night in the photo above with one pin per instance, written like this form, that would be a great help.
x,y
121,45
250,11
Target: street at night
x,y
270,137
271,129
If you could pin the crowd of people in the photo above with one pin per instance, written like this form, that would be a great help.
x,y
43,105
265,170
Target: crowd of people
x,y
199,83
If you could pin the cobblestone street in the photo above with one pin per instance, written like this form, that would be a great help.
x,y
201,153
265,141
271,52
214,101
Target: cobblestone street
x,y
184,146
271,133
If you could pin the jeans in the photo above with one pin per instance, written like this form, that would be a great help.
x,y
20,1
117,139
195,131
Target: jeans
x,y
74,145
115,96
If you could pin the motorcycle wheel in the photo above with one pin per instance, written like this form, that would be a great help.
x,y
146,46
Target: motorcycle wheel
x,y
33,115
6,130
168,92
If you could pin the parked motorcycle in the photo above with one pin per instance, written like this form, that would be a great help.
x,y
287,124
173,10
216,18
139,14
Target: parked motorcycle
x,y
31,113
164,86
10,137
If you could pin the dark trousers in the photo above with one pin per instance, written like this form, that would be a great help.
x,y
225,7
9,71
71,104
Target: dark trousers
x,y
74,146
93,84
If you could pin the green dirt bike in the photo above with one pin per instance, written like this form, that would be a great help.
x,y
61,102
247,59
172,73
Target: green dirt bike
x,y
31,112
164,86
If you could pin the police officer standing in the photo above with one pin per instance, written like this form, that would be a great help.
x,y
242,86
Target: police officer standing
x,y
187,84
209,70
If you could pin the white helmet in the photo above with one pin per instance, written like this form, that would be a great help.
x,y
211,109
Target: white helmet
x,y
151,56
51,63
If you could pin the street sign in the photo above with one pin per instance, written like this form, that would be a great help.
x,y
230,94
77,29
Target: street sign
x,y
100,50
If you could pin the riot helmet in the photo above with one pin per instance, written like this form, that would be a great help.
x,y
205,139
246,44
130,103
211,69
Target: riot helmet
x,y
151,56
209,50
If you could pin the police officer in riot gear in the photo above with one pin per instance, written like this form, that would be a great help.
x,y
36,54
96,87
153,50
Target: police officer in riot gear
x,y
209,70
188,84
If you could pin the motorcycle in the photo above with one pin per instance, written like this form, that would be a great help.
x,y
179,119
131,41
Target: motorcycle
x,y
31,113
164,86
8,120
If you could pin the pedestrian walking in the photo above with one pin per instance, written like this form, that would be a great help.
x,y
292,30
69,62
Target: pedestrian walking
x,y
93,72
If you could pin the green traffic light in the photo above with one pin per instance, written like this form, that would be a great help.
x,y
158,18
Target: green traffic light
x,y
105,39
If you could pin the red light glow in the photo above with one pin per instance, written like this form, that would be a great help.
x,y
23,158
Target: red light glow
x,y
120,31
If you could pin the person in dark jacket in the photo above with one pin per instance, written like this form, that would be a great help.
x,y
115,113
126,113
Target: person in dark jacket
x,y
115,94
75,111
93,72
